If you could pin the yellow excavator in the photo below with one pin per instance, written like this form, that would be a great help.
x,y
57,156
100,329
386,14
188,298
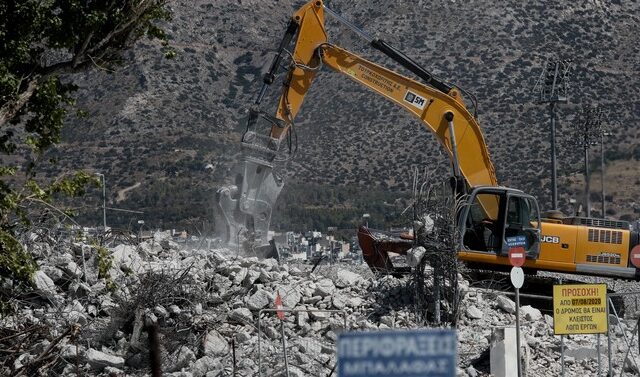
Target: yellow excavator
x,y
494,218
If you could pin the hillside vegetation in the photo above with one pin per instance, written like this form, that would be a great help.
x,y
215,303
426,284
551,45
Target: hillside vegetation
x,y
174,125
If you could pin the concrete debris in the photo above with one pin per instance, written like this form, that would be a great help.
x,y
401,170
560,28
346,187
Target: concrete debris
x,y
530,313
414,256
260,299
241,316
215,344
207,365
324,287
506,304
347,278
127,259
181,358
206,304
474,313
99,360
44,284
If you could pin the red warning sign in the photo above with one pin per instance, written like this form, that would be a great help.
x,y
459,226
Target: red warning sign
x,y
279,312
517,256
635,256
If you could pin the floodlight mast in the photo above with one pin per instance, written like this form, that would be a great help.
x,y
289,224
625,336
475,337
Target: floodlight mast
x,y
552,87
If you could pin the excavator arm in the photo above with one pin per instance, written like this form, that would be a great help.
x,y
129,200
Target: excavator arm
x,y
245,207
463,141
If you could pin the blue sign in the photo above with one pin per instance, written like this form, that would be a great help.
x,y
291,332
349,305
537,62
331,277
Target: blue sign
x,y
398,353
517,241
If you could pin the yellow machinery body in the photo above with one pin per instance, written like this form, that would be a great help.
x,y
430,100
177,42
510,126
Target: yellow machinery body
x,y
496,215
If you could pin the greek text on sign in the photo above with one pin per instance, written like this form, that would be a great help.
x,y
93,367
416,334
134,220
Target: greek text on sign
x,y
517,241
580,309
416,100
415,353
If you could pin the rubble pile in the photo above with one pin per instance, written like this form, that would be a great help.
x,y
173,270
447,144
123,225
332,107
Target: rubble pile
x,y
92,312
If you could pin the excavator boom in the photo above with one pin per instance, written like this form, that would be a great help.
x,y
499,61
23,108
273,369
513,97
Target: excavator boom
x,y
491,220
244,207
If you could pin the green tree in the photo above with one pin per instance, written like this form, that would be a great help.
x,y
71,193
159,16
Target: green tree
x,y
42,43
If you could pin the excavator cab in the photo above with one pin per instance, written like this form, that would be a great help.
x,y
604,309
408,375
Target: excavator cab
x,y
497,218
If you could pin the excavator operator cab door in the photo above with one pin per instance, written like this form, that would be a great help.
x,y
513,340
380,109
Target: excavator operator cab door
x,y
497,218
522,224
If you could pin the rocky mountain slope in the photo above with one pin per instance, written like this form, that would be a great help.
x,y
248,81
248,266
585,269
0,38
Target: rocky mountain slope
x,y
172,126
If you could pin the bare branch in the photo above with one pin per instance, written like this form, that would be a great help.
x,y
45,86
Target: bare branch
x,y
70,331
11,108
122,28
82,50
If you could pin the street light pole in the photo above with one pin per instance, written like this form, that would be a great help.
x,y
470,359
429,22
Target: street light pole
x,y
602,173
603,133
554,164
104,201
553,89
586,178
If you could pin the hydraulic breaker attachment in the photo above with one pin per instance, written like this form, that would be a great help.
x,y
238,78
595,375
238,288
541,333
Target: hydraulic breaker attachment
x,y
244,209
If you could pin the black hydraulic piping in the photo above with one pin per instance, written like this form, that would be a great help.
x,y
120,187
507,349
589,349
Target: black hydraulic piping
x,y
268,78
394,54
410,64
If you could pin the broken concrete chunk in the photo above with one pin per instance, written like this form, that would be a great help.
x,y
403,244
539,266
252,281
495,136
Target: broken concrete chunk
x,y
77,317
530,313
474,313
98,360
161,312
239,276
250,279
215,344
265,276
290,296
112,372
347,278
259,300
54,273
506,304
179,359
324,287
242,337
241,315
205,365
126,258
312,300
341,300
44,284
308,346
72,270
71,352
414,256
269,264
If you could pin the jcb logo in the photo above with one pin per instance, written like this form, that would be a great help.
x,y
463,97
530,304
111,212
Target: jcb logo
x,y
550,239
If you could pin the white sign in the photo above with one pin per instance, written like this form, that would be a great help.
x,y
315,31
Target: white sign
x,y
517,277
